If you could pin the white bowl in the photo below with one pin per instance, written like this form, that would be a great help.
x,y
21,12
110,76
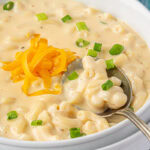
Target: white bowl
x,y
138,139
134,14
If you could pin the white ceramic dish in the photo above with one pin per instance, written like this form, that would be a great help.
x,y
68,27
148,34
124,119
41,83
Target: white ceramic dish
x,y
137,141
138,18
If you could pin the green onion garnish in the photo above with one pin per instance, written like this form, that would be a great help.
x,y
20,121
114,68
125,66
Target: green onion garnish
x,y
97,47
42,16
131,108
116,49
92,53
82,26
75,132
12,115
82,43
107,85
102,22
73,76
36,123
66,18
110,64
8,6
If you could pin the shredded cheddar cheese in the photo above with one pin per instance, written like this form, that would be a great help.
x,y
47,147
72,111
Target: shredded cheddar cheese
x,y
39,61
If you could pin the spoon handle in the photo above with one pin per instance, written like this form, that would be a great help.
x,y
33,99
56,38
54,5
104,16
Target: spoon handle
x,y
136,120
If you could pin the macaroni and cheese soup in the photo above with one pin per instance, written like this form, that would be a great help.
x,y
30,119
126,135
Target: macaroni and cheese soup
x,y
38,41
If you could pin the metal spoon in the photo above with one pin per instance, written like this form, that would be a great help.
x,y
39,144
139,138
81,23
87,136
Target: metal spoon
x,y
127,88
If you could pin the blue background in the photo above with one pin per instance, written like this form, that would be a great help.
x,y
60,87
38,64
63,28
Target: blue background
x,y
146,3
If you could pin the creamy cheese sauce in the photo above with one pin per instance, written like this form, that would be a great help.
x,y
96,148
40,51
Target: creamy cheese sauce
x,y
56,111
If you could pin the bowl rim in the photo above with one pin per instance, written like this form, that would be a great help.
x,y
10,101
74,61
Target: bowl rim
x,y
85,139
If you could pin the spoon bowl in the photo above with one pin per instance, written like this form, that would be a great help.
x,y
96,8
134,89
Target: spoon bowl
x,y
116,72
127,88
125,85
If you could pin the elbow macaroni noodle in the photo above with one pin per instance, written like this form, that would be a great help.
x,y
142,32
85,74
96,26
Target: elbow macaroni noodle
x,y
93,97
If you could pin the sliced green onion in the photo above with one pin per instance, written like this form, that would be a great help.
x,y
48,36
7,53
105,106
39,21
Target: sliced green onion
x,y
75,132
82,43
131,108
36,123
8,6
66,18
92,53
102,22
12,115
97,47
42,16
116,49
82,26
73,76
107,85
110,64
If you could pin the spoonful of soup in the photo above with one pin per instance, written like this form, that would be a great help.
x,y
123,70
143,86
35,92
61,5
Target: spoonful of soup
x,y
107,108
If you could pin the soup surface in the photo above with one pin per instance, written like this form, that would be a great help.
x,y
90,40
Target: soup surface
x,y
29,113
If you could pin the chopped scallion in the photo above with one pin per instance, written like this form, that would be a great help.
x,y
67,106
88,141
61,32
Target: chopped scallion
x,y
8,6
66,18
107,85
82,43
73,76
75,132
92,53
116,49
131,108
42,16
12,115
82,26
102,22
110,64
36,123
97,47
